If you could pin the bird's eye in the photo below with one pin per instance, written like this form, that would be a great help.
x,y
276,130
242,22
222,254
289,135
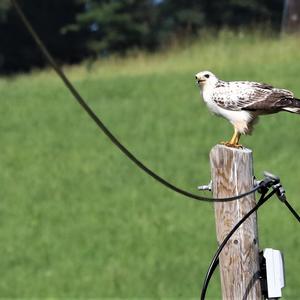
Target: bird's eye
x,y
206,75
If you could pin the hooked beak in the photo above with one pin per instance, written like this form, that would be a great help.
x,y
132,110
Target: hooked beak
x,y
199,81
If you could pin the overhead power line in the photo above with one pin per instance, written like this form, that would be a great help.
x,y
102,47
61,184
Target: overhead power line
x,y
102,126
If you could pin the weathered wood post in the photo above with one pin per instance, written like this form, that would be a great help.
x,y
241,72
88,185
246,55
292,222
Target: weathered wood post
x,y
232,174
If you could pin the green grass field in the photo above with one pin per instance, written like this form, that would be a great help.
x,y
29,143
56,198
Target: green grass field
x,y
78,220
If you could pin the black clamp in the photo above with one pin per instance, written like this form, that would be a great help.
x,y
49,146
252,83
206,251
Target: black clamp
x,y
271,181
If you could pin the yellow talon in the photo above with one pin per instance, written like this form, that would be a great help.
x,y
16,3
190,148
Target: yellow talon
x,y
228,144
234,142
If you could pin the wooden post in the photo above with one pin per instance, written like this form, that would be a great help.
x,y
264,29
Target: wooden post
x,y
232,174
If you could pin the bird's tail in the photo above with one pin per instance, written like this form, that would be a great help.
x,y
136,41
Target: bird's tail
x,y
294,107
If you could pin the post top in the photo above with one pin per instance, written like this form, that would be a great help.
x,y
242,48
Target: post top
x,y
236,150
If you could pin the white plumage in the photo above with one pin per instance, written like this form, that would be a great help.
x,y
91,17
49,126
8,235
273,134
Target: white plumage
x,y
242,102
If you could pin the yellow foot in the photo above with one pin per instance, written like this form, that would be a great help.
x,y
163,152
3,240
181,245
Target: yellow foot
x,y
228,144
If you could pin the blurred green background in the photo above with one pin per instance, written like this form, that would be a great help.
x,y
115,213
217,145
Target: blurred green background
x,y
79,220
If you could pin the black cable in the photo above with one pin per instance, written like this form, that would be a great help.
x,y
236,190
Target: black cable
x,y
107,132
215,259
292,210
101,125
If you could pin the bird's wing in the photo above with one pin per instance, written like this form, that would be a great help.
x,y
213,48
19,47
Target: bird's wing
x,y
278,99
246,95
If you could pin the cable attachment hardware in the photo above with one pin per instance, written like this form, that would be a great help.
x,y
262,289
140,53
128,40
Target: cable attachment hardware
x,y
207,187
280,192
269,181
276,185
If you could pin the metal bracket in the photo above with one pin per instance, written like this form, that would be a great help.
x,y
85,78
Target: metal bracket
x,y
270,181
207,187
273,181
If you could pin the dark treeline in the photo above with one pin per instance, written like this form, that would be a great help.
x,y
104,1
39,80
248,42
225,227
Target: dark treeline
x,y
77,29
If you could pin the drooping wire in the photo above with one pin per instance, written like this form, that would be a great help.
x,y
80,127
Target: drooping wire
x,y
169,185
101,125
215,259
292,210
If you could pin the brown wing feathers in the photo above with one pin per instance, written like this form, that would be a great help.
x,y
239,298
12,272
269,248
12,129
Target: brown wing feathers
x,y
255,96
275,101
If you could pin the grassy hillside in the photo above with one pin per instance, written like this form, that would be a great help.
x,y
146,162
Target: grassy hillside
x,y
80,220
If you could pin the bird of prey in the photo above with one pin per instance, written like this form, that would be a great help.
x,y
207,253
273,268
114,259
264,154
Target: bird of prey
x,y
242,102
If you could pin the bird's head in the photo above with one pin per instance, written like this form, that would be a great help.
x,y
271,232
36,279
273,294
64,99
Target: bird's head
x,y
206,78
